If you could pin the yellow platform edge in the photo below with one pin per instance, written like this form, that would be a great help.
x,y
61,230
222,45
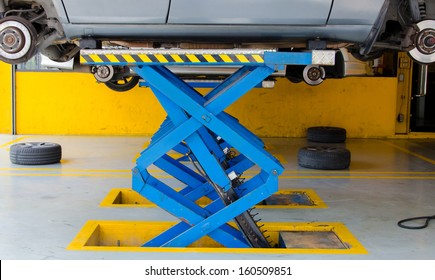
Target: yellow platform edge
x,y
128,236
128,198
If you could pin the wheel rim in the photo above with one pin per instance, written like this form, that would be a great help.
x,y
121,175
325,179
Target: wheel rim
x,y
104,73
424,51
15,40
314,75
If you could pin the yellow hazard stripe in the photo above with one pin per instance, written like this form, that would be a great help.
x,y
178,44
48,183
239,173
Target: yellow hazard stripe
x,y
112,58
161,58
171,58
145,58
209,58
83,60
177,58
95,58
128,58
226,58
258,58
193,58
242,58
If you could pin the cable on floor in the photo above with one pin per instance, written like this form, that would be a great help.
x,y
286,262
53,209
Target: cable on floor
x,y
426,219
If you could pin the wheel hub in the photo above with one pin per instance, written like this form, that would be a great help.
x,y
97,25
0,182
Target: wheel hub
x,y
103,73
12,40
17,39
426,41
314,74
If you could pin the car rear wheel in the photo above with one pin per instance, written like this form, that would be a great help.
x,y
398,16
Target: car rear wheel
x,y
17,40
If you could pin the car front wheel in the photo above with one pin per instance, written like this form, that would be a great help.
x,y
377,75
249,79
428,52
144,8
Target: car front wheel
x,y
17,40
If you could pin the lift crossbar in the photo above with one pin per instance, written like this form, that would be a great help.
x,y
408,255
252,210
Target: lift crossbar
x,y
215,150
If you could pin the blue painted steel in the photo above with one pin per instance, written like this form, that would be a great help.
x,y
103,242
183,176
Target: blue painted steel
x,y
199,84
199,130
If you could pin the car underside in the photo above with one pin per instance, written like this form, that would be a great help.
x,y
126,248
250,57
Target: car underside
x,y
60,29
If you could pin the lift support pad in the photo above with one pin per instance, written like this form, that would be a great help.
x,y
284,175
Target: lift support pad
x,y
206,136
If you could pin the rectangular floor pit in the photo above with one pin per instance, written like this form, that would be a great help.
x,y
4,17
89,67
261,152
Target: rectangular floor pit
x,y
297,198
129,236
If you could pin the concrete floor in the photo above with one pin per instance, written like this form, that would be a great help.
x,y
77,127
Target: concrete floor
x,y
43,208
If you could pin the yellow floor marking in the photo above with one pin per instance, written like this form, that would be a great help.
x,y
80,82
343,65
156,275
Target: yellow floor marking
x,y
128,198
105,174
295,172
64,175
359,172
360,177
146,144
136,157
14,141
431,161
281,158
129,236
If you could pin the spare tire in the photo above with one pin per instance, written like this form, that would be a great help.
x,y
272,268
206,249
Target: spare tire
x,y
324,158
326,134
35,153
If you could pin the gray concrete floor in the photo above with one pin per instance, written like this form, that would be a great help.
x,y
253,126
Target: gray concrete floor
x,y
43,208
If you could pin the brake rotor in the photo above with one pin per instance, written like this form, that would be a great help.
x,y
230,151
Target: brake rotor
x,y
424,41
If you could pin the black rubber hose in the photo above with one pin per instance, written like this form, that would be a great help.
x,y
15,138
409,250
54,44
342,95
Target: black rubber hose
x,y
426,223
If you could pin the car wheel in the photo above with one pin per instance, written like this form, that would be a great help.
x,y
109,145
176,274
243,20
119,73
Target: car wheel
x,y
424,41
17,40
326,134
324,158
35,153
125,84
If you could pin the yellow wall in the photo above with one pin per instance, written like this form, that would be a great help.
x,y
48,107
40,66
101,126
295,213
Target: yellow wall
x,y
5,98
366,107
74,104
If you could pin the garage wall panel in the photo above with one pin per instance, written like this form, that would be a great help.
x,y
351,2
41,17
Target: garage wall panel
x,y
364,106
74,104
5,98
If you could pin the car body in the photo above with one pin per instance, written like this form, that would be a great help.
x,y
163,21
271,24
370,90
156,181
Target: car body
x,y
60,28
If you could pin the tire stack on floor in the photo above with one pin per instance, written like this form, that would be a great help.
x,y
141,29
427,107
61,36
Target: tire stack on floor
x,y
326,149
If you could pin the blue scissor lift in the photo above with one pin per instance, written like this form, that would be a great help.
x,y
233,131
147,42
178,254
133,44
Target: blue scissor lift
x,y
206,137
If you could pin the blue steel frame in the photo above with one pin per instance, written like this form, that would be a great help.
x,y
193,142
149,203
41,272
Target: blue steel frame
x,y
198,128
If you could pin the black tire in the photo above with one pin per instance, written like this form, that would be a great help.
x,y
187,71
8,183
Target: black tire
x,y
125,84
35,153
326,134
324,158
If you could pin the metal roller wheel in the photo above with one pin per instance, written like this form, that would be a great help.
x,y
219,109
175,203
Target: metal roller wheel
x,y
124,84
17,40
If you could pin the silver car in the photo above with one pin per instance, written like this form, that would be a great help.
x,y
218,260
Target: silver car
x,y
60,28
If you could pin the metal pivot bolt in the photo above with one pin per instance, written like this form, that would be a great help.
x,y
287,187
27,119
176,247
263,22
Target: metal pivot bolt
x,y
206,118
